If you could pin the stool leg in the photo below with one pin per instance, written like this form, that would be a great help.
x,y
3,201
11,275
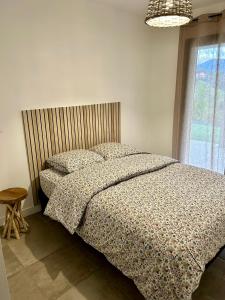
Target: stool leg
x,y
25,224
12,224
14,221
15,224
15,230
17,217
17,220
11,214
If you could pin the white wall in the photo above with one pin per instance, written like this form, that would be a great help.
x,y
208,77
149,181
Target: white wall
x,y
213,8
59,53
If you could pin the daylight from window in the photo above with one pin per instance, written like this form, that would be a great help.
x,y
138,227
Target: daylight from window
x,y
207,132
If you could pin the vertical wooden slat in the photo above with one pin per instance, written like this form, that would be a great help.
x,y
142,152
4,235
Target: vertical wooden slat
x,y
36,139
77,132
51,128
55,130
115,122
85,128
95,136
62,129
44,134
34,154
109,122
97,129
29,155
66,129
48,136
100,127
70,128
101,124
58,122
81,126
40,137
104,122
119,121
91,127
37,149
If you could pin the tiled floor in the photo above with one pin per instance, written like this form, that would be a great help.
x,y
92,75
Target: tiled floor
x,y
49,263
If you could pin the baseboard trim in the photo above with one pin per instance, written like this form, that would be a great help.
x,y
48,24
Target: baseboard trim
x,y
26,212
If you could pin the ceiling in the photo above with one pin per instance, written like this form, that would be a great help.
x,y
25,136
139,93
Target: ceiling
x,y
139,6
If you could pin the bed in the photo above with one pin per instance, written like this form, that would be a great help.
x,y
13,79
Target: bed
x,y
158,221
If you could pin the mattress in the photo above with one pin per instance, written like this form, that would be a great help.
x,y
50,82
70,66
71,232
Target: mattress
x,y
48,180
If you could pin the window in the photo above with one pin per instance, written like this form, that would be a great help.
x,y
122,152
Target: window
x,y
199,112
203,135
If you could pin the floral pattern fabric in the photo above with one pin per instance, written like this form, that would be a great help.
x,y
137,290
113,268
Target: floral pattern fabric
x,y
49,179
114,150
158,221
71,161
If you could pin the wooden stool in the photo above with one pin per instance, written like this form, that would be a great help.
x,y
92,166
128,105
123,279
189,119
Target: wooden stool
x,y
14,221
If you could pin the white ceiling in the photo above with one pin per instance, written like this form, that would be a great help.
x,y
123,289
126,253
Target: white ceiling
x,y
140,6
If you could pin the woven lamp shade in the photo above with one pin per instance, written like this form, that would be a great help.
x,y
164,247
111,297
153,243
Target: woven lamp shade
x,y
169,13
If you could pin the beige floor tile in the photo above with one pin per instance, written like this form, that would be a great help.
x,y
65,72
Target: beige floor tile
x,y
51,287
59,271
42,240
23,288
12,264
95,287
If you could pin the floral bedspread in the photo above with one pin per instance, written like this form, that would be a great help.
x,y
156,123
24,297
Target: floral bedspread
x,y
158,221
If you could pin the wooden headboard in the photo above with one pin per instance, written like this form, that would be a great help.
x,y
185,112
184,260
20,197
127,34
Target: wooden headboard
x,y
53,130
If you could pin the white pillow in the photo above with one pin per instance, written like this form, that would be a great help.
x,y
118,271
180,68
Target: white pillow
x,y
114,150
71,161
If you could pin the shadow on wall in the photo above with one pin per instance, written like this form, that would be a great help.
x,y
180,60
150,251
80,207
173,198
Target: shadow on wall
x,y
29,191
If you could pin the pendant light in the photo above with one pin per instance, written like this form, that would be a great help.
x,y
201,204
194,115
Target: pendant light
x,y
169,13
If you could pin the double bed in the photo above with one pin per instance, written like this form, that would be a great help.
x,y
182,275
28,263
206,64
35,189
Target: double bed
x,y
158,221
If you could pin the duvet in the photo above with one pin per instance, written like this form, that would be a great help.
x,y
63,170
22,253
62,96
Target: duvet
x,y
158,221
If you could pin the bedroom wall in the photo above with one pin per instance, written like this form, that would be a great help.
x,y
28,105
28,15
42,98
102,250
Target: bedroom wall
x,y
59,53
213,8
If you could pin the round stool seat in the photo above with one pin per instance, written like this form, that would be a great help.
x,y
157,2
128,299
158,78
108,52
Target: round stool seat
x,y
12,195
14,221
